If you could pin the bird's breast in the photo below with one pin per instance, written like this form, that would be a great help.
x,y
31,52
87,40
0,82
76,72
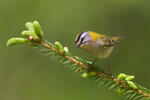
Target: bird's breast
x,y
99,51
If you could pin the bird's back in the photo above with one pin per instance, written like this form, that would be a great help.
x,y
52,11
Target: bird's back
x,y
103,45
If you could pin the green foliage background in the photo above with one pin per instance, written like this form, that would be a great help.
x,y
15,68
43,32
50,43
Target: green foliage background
x,y
26,74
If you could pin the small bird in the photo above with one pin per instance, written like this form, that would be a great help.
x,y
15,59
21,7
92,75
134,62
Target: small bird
x,y
99,45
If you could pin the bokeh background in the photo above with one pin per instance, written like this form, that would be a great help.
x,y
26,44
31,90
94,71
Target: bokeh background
x,y
26,74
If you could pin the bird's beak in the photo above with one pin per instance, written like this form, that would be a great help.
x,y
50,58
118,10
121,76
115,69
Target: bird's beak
x,y
78,45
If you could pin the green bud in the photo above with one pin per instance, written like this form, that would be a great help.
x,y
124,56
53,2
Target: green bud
x,y
37,29
131,84
129,78
89,62
13,41
120,91
66,49
29,26
92,73
85,75
121,76
29,33
59,46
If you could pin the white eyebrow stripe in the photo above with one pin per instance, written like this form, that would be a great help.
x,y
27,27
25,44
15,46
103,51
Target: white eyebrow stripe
x,y
83,35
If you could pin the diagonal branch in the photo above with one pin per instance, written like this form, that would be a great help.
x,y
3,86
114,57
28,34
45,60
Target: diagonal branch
x,y
115,80
122,83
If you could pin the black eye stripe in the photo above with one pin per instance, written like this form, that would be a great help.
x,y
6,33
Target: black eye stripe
x,y
82,39
79,36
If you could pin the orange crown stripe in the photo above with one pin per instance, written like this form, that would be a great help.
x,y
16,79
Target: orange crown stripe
x,y
95,35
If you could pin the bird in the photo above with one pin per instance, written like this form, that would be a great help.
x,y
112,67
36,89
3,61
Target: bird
x,y
98,44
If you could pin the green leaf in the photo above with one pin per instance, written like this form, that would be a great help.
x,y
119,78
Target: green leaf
x,y
133,95
37,29
29,26
129,78
120,91
78,69
16,40
74,67
103,81
70,66
67,61
107,83
96,79
131,84
59,46
85,75
66,50
29,33
44,50
129,91
112,86
121,76
137,97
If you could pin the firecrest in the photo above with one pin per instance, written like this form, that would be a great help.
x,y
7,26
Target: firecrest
x,y
99,45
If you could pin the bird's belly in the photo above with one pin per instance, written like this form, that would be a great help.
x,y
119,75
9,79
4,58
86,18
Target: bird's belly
x,y
100,52
104,52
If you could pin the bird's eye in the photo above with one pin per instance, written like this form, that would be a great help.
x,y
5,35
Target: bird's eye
x,y
82,40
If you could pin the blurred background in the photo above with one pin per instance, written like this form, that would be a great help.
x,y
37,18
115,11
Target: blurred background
x,y
26,74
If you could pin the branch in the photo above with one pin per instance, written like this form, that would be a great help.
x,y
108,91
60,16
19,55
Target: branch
x,y
122,83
